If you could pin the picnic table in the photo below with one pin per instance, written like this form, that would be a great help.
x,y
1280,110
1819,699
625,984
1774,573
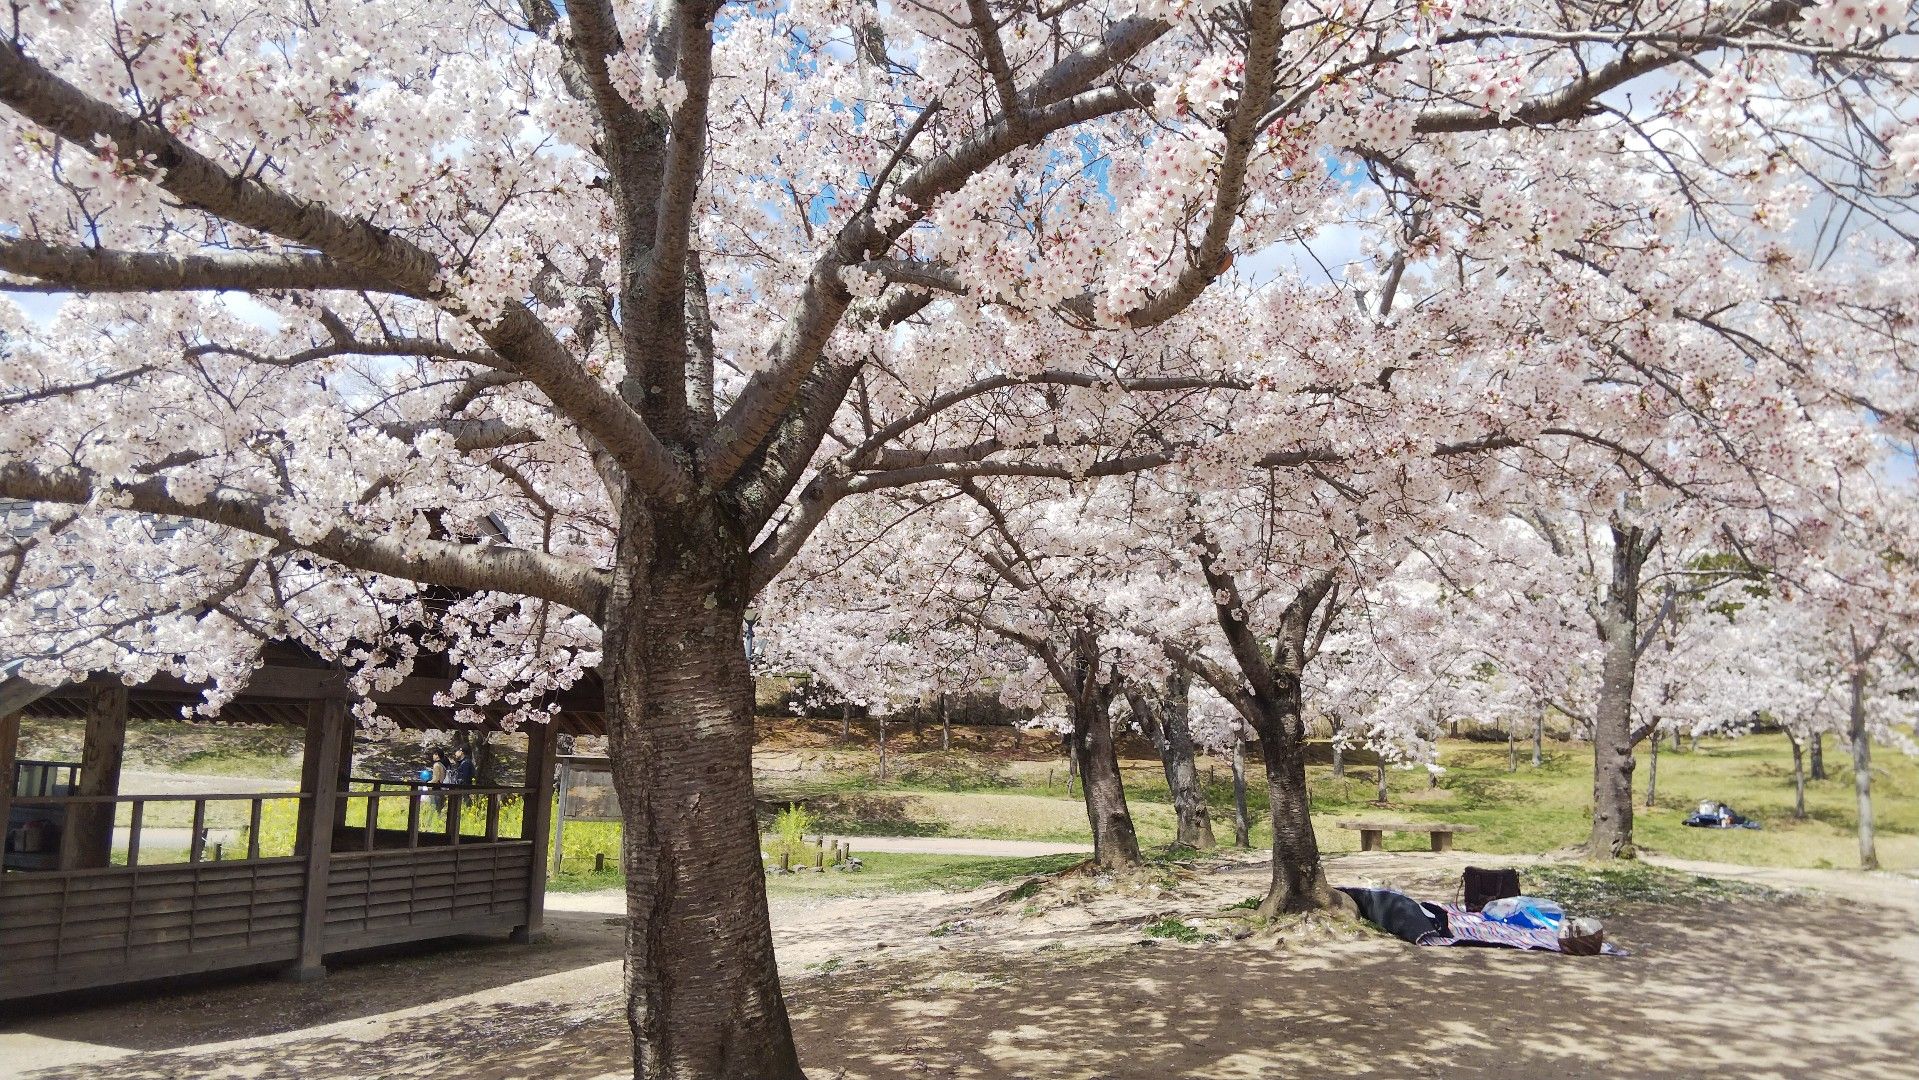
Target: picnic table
x,y
1371,833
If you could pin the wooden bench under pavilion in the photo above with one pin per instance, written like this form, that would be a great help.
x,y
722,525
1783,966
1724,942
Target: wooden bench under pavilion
x,y
1372,833
91,908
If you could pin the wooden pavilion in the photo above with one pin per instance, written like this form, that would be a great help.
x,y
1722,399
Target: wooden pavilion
x,y
372,861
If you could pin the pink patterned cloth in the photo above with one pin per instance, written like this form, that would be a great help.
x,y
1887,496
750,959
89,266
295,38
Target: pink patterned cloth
x,y
1471,928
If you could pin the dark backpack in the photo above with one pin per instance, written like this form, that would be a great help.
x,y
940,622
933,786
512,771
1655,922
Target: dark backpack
x,y
1481,887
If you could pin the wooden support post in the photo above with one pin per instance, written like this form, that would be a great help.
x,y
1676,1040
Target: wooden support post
x,y
320,780
133,831
9,755
253,830
542,744
1371,840
87,841
1442,841
343,772
197,843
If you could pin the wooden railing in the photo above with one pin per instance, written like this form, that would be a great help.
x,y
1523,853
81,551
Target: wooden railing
x,y
36,778
448,800
197,845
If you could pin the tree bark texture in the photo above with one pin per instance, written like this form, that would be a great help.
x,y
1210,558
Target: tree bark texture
x,y
1818,763
1242,820
1652,773
1798,776
1298,881
1617,620
88,841
1172,734
1862,768
1115,842
703,992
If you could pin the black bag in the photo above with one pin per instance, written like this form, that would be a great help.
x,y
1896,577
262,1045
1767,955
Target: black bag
x,y
1481,887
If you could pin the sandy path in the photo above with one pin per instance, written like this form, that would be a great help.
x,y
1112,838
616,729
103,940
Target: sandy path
x,y
980,985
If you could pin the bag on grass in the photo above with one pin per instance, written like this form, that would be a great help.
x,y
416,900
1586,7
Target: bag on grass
x,y
1479,886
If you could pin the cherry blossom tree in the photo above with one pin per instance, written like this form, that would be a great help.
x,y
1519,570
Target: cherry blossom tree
x,y
653,288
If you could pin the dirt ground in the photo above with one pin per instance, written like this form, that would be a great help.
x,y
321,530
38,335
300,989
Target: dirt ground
x,y
1822,982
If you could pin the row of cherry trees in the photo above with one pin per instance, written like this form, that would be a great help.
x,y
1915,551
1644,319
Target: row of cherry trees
x,y
605,316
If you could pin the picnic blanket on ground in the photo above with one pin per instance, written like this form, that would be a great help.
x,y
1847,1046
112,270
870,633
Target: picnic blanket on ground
x,y
1424,923
1464,927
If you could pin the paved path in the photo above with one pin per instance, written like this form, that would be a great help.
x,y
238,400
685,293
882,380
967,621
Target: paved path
x,y
963,845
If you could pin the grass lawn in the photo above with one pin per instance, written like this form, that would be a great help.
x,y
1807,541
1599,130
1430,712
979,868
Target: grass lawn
x,y
1528,810
1524,811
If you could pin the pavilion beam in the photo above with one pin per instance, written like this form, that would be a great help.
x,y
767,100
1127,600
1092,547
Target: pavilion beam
x,y
327,732
542,743
87,836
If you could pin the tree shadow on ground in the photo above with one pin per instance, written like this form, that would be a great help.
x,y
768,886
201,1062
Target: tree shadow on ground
x,y
1761,990
1748,990
169,1014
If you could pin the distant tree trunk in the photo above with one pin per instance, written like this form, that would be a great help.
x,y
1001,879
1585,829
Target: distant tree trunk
x,y
882,747
946,725
916,724
1072,760
1862,764
1339,753
1692,742
1675,740
1818,756
1172,736
846,721
1798,775
1652,773
1512,752
1539,740
1382,780
1617,619
1115,842
1242,821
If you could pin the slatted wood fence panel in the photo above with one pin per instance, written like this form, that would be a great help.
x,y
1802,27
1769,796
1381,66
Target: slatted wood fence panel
x,y
72,929
383,897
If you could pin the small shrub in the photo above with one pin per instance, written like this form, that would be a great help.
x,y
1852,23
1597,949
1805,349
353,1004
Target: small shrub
x,y
1171,929
791,827
1026,891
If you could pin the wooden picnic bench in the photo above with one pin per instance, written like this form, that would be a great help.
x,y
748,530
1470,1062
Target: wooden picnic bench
x,y
1371,833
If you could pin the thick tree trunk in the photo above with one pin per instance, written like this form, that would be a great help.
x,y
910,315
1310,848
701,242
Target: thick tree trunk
x,y
1115,843
1381,799
1242,819
1862,768
1798,777
846,721
1618,624
1298,881
703,992
1818,762
1512,752
1182,768
88,839
1539,740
